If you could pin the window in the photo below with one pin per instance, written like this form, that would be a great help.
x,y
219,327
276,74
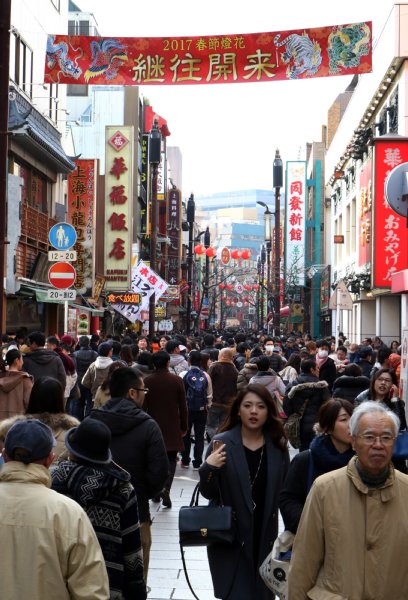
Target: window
x,y
77,90
35,190
21,63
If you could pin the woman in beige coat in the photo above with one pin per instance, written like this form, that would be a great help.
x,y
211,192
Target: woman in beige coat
x,y
15,385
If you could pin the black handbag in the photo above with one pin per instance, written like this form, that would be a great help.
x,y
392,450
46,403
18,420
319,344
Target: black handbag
x,y
400,450
203,526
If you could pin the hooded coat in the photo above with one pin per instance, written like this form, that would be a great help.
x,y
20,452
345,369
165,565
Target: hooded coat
x,y
15,389
96,373
45,363
349,388
306,387
177,364
109,500
52,549
250,369
271,381
137,446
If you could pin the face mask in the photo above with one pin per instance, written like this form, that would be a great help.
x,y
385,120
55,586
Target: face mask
x,y
268,349
323,354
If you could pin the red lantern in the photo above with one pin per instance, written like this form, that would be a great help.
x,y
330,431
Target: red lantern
x,y
200,249
255,287
221,286
235,299
246,254
229,286
246,303
210,252
247,287
228,302
235,254
243,298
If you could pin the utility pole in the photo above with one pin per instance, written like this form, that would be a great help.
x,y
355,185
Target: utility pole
x,y
154,160
277,183
190,221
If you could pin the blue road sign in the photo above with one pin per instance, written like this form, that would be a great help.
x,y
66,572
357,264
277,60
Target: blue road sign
x,y
62,236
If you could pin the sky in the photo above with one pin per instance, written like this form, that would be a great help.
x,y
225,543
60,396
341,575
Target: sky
x,y
228,134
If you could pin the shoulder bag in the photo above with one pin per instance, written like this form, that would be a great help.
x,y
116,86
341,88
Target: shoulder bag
x,y
275,568
292,426
203,526
401,446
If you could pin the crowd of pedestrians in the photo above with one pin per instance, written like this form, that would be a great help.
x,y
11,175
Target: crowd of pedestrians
x,y
104,421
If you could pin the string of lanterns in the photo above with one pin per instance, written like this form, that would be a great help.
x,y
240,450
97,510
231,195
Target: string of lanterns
x,y
210,252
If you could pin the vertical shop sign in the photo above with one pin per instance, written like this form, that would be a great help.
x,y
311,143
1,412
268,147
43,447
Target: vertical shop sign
x,y
81,215
295,223
390,248
364,207
118,208
174,235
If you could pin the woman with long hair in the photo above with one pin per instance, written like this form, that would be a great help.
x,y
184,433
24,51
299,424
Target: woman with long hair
x,y
15,385
245,466
329,450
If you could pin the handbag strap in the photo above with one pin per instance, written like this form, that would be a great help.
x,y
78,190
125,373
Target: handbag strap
x,y
196,494
183,560
302,410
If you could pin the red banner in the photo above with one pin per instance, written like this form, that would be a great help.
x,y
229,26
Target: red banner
x,y
242,58
364,215
390,248
81,207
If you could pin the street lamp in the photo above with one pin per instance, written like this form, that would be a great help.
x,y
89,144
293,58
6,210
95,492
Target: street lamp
x,y
268,241
155,140
190,221
263,259
277,184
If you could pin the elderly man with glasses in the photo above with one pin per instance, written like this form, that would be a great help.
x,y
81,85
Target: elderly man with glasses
x,y
353,534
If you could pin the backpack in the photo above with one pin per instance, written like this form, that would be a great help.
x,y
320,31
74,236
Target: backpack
x,y
195,383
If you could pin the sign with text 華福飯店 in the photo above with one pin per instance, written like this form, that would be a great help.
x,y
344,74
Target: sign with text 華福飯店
x,y
209,59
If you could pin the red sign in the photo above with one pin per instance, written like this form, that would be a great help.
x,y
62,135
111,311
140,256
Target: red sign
x,y
364,214
390,248
236,58
61,275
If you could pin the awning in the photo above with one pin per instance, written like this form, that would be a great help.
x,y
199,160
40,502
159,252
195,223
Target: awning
x,y
95,312
399,282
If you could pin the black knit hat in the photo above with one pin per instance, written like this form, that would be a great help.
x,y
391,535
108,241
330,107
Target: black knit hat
x,y
90,441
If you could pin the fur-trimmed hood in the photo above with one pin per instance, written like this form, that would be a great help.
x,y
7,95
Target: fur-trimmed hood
x,y
307,385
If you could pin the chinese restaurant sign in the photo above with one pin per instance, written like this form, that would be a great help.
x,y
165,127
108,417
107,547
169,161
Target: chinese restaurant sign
x,y
237,58
81,207
390,253
295,225
364,214
118,207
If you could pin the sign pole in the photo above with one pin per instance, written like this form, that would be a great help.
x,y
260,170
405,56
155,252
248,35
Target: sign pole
x,y
65,317
338,303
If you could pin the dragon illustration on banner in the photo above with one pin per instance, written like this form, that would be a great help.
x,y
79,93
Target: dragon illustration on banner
x,y
220,59
346,46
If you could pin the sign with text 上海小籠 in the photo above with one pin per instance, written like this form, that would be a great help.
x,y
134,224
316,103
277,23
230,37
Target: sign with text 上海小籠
x,y
295,223
118,207
209,59
390,250
81,206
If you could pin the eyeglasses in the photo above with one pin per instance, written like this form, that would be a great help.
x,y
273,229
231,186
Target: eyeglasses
x,y
144,390
382,380
386,439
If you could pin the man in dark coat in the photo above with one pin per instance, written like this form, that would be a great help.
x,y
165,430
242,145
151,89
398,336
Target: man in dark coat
x,y
137,444
166,403
327,366
306,387
365,361
40,362
83,358
224,377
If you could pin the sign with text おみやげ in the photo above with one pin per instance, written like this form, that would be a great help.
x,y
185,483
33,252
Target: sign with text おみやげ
x,y
210,59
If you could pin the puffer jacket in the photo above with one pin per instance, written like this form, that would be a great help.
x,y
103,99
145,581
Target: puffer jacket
x,y
15,389
53,551
106,490
306,387
250,369
349,388
177,364
351,540
137,446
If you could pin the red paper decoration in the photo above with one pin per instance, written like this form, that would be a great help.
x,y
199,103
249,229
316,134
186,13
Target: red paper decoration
x,y
247,287
246,254
229,286
221,286
210,252
235,254
200,249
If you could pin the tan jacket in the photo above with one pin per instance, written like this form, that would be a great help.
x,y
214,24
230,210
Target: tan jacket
x,y
15,389
352,541
52,550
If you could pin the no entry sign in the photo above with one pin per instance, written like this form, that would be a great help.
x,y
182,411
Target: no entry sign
x,y
61,275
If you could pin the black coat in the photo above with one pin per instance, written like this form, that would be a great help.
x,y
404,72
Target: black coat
x,y
234,565
306,387
348,387
83,358
137,446
328,372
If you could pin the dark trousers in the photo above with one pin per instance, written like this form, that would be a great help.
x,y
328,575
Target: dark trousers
x,y
172,458
83,405
198,419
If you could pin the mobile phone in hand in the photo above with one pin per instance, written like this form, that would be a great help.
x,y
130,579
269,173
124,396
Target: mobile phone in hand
x,y
216,444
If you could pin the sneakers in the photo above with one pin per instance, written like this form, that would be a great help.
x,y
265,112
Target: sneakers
x,y
165,495
183,466
196,468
